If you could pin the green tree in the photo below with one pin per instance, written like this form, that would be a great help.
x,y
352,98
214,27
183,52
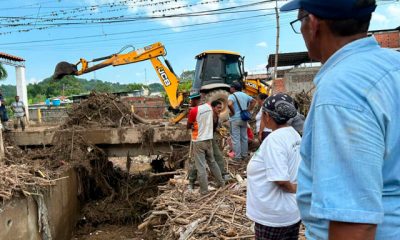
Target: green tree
x,y
156,87
185,86
3,72
187,76
135,86
8,90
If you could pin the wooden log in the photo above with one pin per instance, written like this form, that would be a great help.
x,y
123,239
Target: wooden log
x,y
178,181
242,199
181,221
145,224
239,178
164,174
191,228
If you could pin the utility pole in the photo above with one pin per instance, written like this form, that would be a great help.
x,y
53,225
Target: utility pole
x,y
277,46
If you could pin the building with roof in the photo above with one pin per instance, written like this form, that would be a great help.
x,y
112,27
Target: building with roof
x,y
296,70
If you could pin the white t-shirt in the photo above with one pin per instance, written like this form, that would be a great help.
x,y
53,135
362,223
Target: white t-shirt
x,y
258,122
202,119
277,159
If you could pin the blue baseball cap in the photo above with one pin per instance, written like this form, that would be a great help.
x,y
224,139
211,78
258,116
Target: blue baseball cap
x,y
194,95
328,9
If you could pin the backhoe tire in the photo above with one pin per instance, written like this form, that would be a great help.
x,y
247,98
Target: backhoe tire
x,y
221,95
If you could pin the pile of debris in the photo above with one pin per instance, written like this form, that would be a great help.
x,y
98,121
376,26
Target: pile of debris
x,y
303,101
30,170
178,213
21,179
23,172
111,195
102,110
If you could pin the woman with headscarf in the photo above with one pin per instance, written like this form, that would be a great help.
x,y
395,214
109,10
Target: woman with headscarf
x,y
272,174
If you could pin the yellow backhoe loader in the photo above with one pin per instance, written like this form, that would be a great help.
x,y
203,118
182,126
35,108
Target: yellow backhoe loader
x,y
215,72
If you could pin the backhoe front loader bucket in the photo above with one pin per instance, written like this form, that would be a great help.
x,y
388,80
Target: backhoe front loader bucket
x,y
64,68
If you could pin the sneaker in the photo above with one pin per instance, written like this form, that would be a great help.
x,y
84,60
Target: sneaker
x,y
204,193
191,187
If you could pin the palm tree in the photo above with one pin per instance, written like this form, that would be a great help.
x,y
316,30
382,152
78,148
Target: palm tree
x,y
3,72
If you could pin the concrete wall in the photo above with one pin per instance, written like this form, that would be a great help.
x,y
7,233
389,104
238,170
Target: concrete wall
x,y
138,140
299,79
19,217
49,115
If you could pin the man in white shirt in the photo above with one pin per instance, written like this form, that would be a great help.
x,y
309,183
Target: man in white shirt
x,y
200,120
18,107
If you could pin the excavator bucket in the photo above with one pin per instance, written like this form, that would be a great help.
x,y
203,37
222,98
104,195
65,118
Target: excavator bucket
x,y
63,69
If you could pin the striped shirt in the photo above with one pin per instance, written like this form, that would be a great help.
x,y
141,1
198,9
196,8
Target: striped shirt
x,y
18,108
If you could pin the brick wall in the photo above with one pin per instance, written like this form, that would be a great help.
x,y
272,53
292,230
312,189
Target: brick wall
x,y
388,39
279,85
148,107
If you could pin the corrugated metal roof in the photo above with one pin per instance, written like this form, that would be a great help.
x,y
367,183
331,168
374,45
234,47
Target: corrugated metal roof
x,y
384,30
289,59
11,57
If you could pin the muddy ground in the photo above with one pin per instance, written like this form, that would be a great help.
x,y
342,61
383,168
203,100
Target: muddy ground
x,y
115,232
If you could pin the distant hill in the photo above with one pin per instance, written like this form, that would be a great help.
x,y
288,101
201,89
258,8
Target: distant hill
x,y
71,85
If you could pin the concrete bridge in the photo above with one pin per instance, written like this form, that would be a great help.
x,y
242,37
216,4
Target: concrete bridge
x,y
138,140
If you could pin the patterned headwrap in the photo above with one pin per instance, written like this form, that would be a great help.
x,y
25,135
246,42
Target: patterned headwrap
x,y
280,107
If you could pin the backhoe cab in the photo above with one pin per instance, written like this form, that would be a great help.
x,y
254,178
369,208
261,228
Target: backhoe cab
x,y
216,70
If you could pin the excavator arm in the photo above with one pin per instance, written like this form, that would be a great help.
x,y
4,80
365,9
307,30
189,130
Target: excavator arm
x,y
168,78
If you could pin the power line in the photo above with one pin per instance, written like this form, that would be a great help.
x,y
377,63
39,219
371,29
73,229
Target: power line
x,y
119,19
121,33
197,30
227,10
110,18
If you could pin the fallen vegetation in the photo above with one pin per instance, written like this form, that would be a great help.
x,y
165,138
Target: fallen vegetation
x,y
181,214
102,110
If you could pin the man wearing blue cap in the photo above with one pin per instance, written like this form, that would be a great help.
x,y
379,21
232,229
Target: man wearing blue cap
x,y
349,181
